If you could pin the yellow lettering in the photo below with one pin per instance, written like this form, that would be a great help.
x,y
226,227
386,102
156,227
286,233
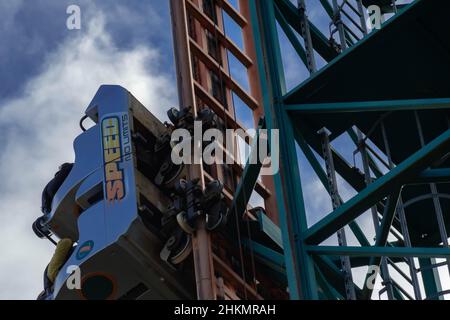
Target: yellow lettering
x,y
114,190
111,127
111,142
113,172
112,155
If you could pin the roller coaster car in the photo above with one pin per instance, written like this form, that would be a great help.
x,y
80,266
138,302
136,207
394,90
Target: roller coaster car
x,y
113,203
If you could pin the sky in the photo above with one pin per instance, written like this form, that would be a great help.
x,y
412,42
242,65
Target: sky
x,y
49,74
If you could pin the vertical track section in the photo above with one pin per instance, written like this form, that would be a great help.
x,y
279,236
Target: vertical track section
x,y
202,50
201,240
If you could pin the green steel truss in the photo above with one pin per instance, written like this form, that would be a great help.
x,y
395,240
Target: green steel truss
x,y
387,90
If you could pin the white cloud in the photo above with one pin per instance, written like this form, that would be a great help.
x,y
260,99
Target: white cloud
x,y
38,130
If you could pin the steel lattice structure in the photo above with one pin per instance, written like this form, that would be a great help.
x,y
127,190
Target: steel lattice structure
x,y
386,89
405,115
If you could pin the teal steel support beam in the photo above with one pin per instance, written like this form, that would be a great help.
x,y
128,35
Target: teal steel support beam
x,y
382,236
328,291
328,8
371,106
433,176
328,275
336,278
354,227
288,249
330,270
270,229
267,258
431,279
388,218
320,172
271,258
437,252
333,274
249,177
352,176
378,190
292,214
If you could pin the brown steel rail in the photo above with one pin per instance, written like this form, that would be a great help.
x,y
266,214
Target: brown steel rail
x,y
195,63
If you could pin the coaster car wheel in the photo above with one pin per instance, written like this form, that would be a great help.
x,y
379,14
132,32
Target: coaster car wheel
x,y
183,250
184,224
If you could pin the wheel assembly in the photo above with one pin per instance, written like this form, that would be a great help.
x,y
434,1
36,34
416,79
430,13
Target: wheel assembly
x,y
182,251
184,224
177,248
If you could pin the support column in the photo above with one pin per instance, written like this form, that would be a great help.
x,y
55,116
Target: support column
x,y
299,265
431,279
